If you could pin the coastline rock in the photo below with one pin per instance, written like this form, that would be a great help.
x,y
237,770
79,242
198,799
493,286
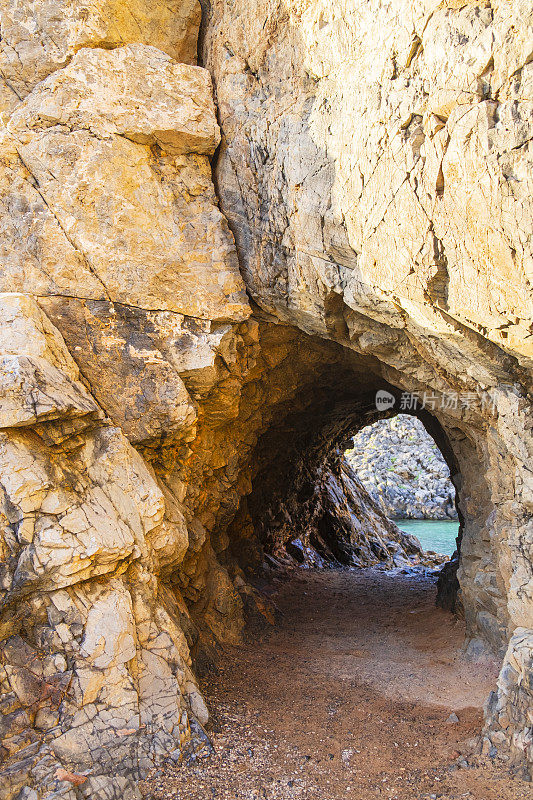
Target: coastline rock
x,y
164,430
400,465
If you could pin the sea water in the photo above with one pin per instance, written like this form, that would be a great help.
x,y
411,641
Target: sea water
x,y
434,534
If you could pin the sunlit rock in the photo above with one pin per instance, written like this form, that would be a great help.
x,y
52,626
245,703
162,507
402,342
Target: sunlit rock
x,y
41,37
163,438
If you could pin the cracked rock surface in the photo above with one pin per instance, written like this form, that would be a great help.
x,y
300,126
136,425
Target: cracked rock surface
x,y
402,468
182,365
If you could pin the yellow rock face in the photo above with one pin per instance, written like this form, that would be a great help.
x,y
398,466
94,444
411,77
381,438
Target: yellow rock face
x,y
41,37
399,137
116,144
157,437
136,91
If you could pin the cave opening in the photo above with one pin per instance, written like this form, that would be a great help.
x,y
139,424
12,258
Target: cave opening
x,y
306,506
349,513
308,509
338,617
278,490
285,496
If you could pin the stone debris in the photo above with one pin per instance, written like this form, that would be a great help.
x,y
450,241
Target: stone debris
x,y
401,466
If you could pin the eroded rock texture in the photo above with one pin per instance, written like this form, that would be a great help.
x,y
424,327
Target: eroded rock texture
x,y
403,469
159,430
376,170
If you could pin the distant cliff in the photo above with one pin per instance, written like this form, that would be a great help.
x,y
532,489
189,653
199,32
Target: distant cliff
x,y
402,468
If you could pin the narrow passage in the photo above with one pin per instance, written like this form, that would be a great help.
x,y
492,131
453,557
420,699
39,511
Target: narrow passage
x,y
349,696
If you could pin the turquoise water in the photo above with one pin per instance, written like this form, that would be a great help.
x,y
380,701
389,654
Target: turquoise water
x,y
434,534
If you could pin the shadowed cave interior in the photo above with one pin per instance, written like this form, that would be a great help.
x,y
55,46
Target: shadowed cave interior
x,y
298,501
227,228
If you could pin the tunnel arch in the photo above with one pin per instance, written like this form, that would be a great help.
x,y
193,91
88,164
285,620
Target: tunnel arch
x,y
300,405
152,406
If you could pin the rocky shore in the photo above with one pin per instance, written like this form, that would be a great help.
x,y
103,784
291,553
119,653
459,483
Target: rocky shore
x,y
403,470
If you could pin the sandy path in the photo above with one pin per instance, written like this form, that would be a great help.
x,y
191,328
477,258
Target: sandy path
x,y
348,697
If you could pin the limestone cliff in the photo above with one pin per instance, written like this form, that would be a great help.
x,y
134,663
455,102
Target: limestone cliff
x,y
402,468
373,161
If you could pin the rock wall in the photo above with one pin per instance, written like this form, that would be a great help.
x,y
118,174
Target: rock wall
x,y
311,509
112,241
401,467
372,161
331,519
375,169
95,671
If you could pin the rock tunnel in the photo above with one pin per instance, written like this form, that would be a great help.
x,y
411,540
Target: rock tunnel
x,y
321,395
208,273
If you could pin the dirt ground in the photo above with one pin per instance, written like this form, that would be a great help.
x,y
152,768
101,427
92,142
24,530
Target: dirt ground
x,y
347,697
